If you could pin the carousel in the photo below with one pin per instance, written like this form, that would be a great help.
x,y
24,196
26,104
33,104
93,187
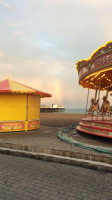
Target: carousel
x,y
96,73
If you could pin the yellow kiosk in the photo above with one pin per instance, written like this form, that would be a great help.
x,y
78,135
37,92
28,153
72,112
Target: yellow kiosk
x,y
19,106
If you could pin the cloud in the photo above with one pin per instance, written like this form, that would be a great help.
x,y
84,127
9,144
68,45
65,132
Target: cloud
x,y
4,3
11,24
19,33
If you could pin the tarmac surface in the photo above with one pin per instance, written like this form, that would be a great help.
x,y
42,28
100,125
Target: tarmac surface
x,y
29,179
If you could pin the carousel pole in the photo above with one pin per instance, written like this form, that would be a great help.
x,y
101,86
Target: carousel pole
x,y
94,102
106,100
107,95
96,94
110,107
87,102
98,98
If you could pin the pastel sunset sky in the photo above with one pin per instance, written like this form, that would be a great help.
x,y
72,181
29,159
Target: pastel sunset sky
x,y
41,40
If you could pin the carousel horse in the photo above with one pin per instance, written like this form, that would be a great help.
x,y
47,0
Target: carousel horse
x,y
105,107
110,110
110,106
93,107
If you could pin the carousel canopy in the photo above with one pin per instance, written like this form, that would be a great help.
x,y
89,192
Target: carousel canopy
x,y
96,71
10,86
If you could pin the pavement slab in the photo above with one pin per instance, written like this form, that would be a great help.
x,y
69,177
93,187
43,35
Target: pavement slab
x,y
28,179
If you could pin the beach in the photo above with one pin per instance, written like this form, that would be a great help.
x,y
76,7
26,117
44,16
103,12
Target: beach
x,y
59,119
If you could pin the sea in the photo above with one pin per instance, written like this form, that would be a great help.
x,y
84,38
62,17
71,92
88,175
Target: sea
x,y
74,110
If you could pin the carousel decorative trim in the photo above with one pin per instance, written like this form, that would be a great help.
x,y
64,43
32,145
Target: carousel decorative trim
x,y
33,124
9,126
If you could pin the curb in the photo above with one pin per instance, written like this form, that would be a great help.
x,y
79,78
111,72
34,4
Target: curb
x,y
62,135
100,166
97,157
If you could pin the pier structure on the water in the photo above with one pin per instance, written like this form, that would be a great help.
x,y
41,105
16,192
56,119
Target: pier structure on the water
x,y
52,108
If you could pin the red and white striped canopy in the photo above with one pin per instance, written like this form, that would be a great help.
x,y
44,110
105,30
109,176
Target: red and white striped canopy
x,y
10,86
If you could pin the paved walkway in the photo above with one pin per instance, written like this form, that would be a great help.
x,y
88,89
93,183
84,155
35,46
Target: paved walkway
x,y
28,179
46,137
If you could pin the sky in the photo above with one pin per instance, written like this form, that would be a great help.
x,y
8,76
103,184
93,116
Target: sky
x,y
41,41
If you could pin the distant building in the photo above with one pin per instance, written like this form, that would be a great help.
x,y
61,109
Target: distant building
x,y
19,106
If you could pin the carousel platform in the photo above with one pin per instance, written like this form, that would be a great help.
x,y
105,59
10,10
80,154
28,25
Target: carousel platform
x,y
100,126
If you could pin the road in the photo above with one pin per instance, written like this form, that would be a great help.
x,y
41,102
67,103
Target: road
x,y
29,179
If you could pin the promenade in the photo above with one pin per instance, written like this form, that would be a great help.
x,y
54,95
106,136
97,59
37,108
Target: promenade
x,y
28,179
